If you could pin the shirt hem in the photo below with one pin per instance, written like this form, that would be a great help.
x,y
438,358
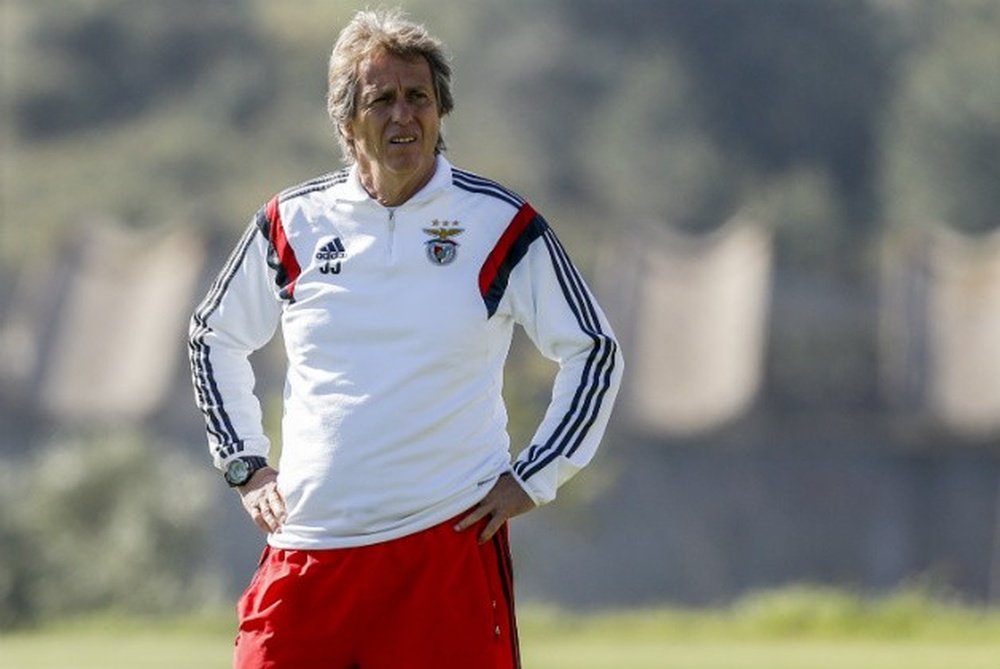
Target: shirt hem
x,y
440,515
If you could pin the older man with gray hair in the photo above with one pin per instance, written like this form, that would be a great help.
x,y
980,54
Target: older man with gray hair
x,y
397,282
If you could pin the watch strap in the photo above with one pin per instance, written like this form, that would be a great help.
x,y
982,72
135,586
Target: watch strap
x,y
253,463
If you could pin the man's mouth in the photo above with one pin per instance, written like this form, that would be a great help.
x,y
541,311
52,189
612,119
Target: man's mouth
x,y
405,139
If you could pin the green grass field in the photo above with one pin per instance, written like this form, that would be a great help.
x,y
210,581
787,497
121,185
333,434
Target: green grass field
x,y
193,650
790,630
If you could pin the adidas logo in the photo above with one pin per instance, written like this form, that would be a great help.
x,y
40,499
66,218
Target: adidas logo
x,y
330,254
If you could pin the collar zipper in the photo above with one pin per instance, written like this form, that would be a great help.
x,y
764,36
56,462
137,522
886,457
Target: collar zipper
x,y
392,233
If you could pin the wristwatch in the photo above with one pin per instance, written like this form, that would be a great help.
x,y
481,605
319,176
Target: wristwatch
x,y
239,471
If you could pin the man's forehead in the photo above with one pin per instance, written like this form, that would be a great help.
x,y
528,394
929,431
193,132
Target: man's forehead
x,y
386,69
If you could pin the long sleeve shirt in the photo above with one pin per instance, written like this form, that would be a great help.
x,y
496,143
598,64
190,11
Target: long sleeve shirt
x,y
396,324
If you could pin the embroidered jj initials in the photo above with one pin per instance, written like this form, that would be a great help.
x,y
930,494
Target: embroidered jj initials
x,y
330,254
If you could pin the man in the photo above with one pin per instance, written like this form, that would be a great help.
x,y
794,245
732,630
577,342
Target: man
x,y
397,282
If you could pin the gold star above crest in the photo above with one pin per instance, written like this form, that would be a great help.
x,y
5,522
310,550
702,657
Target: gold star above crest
x,y
439,229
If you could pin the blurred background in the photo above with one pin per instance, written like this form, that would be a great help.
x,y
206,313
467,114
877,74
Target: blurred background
x,y
788,208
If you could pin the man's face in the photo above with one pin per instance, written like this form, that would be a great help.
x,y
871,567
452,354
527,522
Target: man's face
x,y
396,125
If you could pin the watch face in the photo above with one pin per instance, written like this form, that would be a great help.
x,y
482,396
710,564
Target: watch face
x,y
237,472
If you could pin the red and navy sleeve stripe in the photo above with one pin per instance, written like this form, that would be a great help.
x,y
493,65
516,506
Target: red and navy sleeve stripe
x,y
596,375
280,256
526,227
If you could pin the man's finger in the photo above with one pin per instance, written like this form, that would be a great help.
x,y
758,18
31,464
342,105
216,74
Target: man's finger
x,y
496,522
261,522
474,517
267,517
277,504
276,508
264,513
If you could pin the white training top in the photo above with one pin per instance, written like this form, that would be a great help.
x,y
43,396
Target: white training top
x,y
396,324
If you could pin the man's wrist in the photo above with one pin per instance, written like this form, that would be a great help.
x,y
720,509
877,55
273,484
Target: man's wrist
x,y
239,471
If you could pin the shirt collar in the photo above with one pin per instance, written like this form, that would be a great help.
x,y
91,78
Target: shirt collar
x,y
355,192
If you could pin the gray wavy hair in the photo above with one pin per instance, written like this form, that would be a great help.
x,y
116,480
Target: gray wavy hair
x,y
387,30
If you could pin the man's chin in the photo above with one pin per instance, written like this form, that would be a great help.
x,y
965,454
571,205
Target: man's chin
x,y
408,165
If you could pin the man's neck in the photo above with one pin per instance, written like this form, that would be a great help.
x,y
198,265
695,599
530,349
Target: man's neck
x,y
389,189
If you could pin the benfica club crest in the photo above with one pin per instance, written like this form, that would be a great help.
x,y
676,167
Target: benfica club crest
x,y
441,248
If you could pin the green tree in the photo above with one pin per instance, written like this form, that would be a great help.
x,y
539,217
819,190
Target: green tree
x,y
774,85
93,524
89,64
942,133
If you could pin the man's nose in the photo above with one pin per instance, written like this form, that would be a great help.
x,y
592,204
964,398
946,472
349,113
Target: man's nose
x,y
402,111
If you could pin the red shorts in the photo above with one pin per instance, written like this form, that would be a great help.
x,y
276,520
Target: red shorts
x,y
432,599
